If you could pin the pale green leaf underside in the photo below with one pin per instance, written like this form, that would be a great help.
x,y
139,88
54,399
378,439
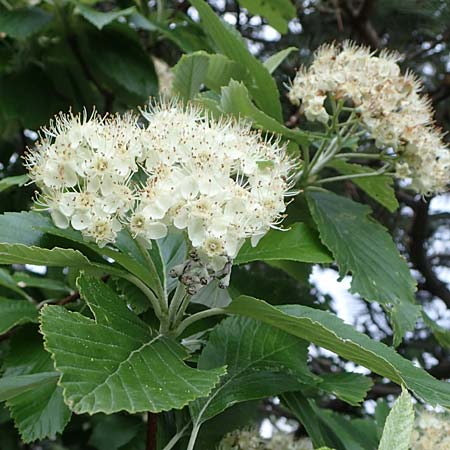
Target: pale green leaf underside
x,y
15,312
116,363
364,248
330,332
300,243
399,425
18,180
261,361
275,60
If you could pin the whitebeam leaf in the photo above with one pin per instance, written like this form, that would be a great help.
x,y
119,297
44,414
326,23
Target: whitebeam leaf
x,y
364,248
116,362
39,411
261,361
399,425
16,312
330,332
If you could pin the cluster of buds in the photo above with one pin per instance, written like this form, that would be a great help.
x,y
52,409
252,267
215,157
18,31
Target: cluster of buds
x,y
389,104
195,273
219,181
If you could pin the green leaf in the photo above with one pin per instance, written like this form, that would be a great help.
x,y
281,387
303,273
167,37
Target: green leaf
x,y
364,248
350,434
399,424
301,408
275,60
15,385
277,12
21,23
379,187
9,182
16,312
100,19
128,254
350,387
200,68
189,74
8,281
235,100
132,295
299,243
261,361
60,257
39,412
115,431
221,70
25,280
107,370
119,63
228,41
330,332
28,85
23,228
441,334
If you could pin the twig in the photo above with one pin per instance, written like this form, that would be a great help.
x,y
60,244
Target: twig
x,y
152,430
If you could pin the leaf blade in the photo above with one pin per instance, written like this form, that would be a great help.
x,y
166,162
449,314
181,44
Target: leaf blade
x,y
229,42
330,332
300,243
106,370
364,248
399,424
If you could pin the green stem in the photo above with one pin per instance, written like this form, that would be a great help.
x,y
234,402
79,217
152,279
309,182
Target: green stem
x,y
156,304
199,316
176,438
361,155
182,309
193,437
350,177
161,294
159,10
177,300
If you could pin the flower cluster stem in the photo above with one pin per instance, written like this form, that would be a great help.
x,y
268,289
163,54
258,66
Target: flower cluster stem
x,y
199,316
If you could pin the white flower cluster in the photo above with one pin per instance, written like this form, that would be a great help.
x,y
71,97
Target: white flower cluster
x,y
83,167
432,432
249,439
389,104
218,180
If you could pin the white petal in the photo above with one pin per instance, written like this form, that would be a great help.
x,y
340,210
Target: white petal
x,y
80,221
155,230
189,187
59,219
154,211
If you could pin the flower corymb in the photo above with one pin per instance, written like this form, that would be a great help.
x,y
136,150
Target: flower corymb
x,y
219,180
388,103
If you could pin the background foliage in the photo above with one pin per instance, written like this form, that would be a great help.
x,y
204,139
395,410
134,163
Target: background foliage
x,y
60,55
